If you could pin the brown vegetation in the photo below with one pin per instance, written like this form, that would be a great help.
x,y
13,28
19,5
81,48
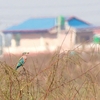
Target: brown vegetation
x,y
66,76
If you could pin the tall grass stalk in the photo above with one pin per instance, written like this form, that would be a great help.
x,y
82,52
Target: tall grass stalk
x,y
71,75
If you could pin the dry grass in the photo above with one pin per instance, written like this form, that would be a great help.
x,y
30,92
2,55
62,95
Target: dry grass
x,y
66,76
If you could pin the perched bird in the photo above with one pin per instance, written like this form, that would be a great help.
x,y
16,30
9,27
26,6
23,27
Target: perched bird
x,y
22,60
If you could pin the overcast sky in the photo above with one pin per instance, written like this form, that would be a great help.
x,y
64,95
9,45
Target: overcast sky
x,y
15,11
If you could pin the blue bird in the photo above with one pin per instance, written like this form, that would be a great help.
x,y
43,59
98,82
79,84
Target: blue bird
x,y
22,60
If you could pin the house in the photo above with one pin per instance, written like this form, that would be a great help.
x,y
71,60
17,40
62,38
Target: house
x,y
45,33
1,43
84,30
35,32
96,37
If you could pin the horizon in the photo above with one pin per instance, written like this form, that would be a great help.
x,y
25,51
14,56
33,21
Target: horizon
x,y
15,12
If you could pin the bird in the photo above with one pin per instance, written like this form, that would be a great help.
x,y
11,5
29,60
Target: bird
x,y
22,60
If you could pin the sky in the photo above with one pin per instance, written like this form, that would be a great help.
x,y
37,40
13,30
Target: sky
x,y
13,12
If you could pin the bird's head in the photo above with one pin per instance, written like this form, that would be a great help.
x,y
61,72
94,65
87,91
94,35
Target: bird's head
x,y
25,53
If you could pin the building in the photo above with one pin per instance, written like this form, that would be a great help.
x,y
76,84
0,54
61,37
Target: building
x,y
37,33
96,37
43,33
1,43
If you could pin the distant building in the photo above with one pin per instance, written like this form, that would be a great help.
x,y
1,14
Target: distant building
x,y
84,30
43,33
1,43
39,33
96,37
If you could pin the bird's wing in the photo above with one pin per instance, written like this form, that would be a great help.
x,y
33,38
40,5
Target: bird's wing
x,y
20,62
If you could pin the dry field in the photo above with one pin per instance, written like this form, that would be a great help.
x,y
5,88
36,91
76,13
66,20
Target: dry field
x,y
74,75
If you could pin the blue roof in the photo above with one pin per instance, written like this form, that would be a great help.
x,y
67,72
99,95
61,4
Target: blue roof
x,y
77,23
35,24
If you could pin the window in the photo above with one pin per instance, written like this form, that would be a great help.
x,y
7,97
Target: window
x,y
82,38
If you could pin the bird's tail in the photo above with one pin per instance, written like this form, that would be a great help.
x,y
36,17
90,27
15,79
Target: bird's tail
x,y
17,67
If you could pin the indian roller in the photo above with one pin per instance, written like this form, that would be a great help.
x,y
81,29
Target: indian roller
x,y
22,60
